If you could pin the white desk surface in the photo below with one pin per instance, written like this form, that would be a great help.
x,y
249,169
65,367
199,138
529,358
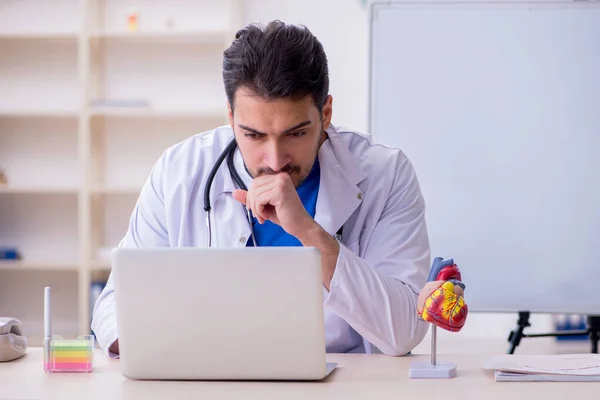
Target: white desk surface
x,y
357,377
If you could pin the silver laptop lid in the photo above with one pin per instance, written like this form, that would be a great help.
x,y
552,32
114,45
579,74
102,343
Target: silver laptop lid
x,y
229,313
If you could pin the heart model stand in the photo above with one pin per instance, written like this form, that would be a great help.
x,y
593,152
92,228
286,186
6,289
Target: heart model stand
x,y
441,302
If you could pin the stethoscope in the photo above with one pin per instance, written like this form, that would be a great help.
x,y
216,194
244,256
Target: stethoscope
x,y
229,152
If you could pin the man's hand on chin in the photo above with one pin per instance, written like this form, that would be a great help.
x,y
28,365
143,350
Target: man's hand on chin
x,y
274,198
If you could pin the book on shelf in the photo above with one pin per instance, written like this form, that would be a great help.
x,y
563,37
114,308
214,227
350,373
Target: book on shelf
x,y
120,103
9,253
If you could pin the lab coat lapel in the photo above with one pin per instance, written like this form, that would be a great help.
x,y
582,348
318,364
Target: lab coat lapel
x,y
231,228
339,195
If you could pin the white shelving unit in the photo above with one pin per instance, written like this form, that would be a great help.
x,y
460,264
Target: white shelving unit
x,y
75,160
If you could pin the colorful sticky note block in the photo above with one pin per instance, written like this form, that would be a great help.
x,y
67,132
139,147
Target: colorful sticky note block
x,y
69,355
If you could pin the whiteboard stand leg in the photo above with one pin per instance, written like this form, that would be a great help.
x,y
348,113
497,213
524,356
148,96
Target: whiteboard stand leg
x,y
593,331
432,369
515,336
594,328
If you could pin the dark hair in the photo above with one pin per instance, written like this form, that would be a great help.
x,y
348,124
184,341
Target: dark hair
x,y
276,61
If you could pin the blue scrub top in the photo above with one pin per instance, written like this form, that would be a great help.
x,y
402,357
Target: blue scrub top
x,y
270,234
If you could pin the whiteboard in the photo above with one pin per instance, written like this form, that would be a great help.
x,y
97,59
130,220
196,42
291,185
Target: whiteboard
x,y
498,108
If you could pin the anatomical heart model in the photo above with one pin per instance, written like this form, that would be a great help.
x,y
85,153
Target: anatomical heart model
x,y
441,302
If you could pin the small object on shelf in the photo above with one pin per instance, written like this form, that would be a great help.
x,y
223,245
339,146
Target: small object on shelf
x,y
9,253
122,103
3,178
170,23
441,302
132,21
65,355
570,323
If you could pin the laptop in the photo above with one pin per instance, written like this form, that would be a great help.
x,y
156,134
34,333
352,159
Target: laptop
x,y
220,313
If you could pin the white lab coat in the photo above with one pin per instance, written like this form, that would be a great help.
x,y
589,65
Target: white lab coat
x,y
371,189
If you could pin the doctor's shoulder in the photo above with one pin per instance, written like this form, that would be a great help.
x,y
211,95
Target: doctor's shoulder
x,y
378,160
193,157
182,167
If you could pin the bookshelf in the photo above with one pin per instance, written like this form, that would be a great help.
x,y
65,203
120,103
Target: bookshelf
x,y
88,106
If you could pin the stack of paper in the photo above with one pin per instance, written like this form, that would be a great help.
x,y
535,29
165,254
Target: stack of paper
x,y
559,367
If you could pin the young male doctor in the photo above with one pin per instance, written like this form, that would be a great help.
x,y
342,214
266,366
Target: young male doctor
x,y
306,179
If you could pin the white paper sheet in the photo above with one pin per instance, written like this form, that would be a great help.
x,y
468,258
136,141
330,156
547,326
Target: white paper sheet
x,y
502,376
551,364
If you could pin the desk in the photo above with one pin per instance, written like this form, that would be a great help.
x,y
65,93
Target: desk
x,y
357,377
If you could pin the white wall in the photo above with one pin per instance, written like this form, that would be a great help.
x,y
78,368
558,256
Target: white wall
x,y
341,26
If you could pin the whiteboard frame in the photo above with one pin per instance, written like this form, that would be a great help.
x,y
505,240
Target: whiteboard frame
x,y
377,5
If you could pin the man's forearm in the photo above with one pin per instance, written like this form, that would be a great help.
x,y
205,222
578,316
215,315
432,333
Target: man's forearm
x,y
380,306
327,245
